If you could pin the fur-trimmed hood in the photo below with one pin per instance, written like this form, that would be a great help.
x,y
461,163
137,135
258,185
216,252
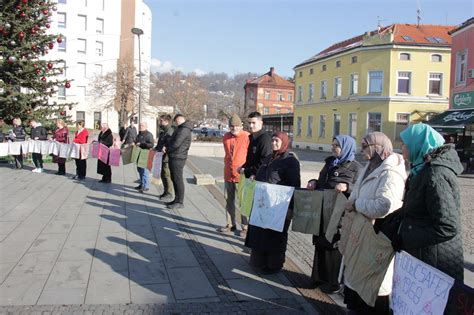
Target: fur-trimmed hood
x,y
445,156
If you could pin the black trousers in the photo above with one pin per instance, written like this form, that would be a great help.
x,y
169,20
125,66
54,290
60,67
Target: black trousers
x,y
37,159
176,170
62,168
81,167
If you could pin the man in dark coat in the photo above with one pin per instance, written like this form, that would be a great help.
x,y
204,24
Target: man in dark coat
x,y
177,150
38,132
144,140
107,139
128,134
166,132
260,145
17,134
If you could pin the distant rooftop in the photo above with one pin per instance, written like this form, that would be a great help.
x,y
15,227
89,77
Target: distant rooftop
x,y
271,78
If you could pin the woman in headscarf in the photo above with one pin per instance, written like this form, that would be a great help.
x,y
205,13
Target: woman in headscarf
x,y
61,134
268,247
377,192
428,225
107,139
339,173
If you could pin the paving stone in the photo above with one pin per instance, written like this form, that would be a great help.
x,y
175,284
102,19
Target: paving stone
x,y
62,296
190,283
48,242
22,290
152,293
178,257
70,275
33,263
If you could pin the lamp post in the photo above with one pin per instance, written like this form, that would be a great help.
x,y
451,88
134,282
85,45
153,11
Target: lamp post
x,y
138,31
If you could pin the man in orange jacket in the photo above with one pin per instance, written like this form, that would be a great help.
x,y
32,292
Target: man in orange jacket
x,y
236,143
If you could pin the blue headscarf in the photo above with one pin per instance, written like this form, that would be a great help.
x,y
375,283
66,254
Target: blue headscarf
x,y
348,147
420,139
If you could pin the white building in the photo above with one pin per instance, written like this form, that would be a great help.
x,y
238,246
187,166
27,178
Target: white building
x,y
96,36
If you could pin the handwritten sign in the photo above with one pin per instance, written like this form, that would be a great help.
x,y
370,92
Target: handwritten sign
x,y
461,300
245,191
307,211
418,288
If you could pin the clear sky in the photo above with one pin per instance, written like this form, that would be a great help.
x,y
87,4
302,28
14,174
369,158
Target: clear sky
x,y
239,36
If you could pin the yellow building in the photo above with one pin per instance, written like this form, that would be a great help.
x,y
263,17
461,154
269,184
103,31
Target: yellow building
x,y
379,81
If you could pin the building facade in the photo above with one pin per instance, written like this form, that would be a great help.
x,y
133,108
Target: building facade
x,y
378,81
94,35
269,94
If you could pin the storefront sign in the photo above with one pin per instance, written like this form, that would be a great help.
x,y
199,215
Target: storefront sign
x,y
460,116
463,99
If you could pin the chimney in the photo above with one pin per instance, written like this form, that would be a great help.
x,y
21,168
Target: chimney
x,y
272,71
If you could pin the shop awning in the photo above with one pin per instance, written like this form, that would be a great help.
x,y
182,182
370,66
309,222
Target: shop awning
x,y
452,120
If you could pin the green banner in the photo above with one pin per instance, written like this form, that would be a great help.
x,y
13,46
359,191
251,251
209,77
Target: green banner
x,y
463,100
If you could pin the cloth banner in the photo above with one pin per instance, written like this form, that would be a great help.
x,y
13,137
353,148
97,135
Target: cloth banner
x,y
367,257
14,148
418,288
24,146
460,300
84,151
270,205
151,155
64,150
157,163
75,152
53,148
307,211
246,200
135,154
4,149
127,155
94,150
143,158
329,199
335,219
45,147
103,153
34,146
114,157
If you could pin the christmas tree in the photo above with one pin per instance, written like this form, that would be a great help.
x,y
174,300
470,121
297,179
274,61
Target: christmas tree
x,y
27,79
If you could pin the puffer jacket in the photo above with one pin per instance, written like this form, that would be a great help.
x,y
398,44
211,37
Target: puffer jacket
x,y
378,195
145,138
179,144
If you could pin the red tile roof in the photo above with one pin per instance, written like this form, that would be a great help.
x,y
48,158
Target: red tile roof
x,y
271,79
424,34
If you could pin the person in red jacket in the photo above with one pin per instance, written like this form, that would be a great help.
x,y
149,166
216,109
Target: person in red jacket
x,y
80,137
236,143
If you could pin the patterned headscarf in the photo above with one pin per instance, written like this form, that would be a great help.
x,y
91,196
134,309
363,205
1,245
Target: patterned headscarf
x,y
419,140
283,136
348,147
378,144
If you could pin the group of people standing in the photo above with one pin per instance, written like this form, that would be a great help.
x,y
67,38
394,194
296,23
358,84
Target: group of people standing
x,y
412,198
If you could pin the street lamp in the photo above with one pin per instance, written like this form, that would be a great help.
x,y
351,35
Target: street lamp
x,y
138,31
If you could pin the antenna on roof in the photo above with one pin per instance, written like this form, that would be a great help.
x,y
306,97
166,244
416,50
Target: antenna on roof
x,y
418,13
379,23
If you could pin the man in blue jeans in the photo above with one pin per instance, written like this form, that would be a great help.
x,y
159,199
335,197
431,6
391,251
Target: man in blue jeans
x,y
145,141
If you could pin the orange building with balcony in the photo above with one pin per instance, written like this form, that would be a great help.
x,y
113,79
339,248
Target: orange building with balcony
x,y
269,94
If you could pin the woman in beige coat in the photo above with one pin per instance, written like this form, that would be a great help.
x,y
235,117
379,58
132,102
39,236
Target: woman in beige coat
x,y
378,191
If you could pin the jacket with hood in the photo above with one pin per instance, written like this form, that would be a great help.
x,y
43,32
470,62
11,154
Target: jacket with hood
x,y
164,136
179,143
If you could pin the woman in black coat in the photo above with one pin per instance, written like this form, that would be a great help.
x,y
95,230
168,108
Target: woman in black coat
x,y
269,246
17,134
107,139
339,173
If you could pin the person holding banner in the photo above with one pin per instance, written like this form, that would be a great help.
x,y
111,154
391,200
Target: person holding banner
x,y
144,140
107,139
37,132
268,247
80,137
61,134
17,134
166,132
339,173
428,225
377,192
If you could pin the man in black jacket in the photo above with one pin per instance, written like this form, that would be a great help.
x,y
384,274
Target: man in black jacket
x,y
145,141
260,145
38,132
128,134
166,132
177,150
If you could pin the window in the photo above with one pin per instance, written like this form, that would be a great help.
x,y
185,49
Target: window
x,y
62,44
267,94
80,116
323,89
311,71
435,83
404,78
310,92
436,58
99,26
99,48
298,126
337,87
300,93
401,124
98,69
290,96
309,131
97,120
81,69
337,125
266,110
435,40
405,56
323,68
354,88
461,65
81,93
277,110
280,96
353,125
354,59
61,92
62,68
407,38
375,81
82,22
322,126
375,122
61,19
81,45
338,64
301,74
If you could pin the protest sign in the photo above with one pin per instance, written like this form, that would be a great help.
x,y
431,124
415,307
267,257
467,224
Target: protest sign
x,y
45,147
151,155
335,218
307,211
75,152
127,155
270,206
246,201
14,148
114,157
418,288
4,149
103,153
143,158
95,149
135,154
157,163
84,151
460,300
